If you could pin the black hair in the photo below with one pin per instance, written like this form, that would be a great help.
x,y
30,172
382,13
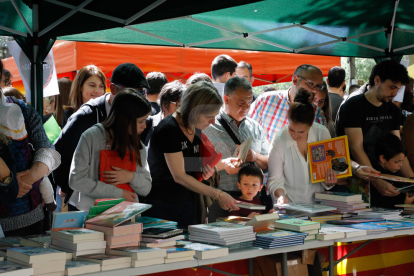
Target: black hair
x,y
221,65
389,145
301,110
251,170
407,103
305,68
354,87
156,81
336,76
237,82
269,88
389,70
128,105
171,92
243,64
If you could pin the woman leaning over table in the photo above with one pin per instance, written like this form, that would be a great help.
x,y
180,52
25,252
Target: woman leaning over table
x,y
289,176
174,159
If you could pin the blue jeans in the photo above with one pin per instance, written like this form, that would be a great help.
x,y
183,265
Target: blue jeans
x,y
58,201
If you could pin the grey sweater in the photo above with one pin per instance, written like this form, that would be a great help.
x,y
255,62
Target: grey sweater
x,y
84,172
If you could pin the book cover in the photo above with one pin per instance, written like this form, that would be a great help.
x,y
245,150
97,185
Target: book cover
x,y
367,226
97,210
160,232
7,266
139,253
68,219
126,228
119,213
79,246
76,234
242,150
220,226
149,222
179,252
349,232
279,234
329,234
306,207
250,206
35,254
329,154
109,159
36,240
105,201
393,225
10,241
160,240
338,196
297,224
389,177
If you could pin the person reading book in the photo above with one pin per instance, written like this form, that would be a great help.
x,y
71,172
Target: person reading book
x,y
250,183
175,162
120,132
388,159
289,176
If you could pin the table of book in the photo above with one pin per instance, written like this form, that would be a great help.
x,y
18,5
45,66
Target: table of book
x,y
249,253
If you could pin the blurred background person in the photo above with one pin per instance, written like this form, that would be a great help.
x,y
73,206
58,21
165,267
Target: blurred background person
x,y
156,81
13,92
323,100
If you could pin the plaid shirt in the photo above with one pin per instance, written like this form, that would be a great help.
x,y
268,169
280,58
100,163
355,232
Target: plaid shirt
x,y
270,110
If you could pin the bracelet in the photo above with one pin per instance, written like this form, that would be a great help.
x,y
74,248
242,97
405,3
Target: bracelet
x,y
356,168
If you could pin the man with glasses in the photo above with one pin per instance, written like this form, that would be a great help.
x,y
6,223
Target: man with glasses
x,y
232,127
95,111
270,110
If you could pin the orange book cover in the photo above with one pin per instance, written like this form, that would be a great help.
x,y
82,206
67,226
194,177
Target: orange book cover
x,y
329,154
109,159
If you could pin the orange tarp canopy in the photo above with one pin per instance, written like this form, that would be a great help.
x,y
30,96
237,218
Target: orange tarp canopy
x,y
176,62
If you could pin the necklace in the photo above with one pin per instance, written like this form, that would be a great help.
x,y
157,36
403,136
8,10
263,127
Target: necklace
x,y
186,130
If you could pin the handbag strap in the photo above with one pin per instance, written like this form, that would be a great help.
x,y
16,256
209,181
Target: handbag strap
x,y
228,129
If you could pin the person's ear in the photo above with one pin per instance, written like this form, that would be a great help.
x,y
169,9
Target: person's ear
x,y
239,185
327,82
343,83
261,187
226,99
377,80
295,80
252,80
113,89
382,159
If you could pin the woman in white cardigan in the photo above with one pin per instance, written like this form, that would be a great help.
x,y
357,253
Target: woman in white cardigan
x,y
289,175
120,132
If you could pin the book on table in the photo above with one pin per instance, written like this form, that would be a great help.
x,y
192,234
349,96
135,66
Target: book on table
x,y
115,240
149,222
326,234
176,260
179,252
153,261
371,229
81,246
35,254
306,207
259,222
76,235
14,269
250,206
204,251
162,240
277,238
139,253
393,225
104,259
338,196
36,240
76,253
297,225
119,213
349,232
80,267
158,244
125,228
42,267
68,219
10,241
353,220
154,232
329,154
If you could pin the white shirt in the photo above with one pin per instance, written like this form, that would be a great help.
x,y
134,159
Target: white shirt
x,y
220,88
288,169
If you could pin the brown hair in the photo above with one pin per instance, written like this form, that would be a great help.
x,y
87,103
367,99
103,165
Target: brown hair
x,y
13,92
127,106
197,77
62,98
75,96
301,110
200,98
327,109
171,92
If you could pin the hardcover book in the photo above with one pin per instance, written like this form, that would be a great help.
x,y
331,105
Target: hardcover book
x,y
119,213
338,196
306,207
329,154
68,219
297,225
76,235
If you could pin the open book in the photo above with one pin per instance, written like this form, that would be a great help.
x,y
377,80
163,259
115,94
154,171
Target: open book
x,y
242,151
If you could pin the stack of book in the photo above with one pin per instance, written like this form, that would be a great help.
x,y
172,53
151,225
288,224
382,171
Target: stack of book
x,y
124,235
204,251
371,229
387,214
141,256
178,254
43,261
36,241
323,217
345,203
79,267
306,207
304,226
393,225
348,231
107,262
149,222
408,209
78,241
278,238
221,233
101,205
161,237
15,269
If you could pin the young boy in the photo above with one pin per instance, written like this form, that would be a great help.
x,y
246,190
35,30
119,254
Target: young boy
x,y
389,155
250,183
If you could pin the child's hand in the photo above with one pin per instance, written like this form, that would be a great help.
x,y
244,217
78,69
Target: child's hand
x,y
252,214
118,176
408,199
271,211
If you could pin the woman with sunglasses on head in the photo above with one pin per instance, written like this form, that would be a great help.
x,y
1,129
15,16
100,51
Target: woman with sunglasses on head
x,y
175,161
121,133
289,176
89,83
321,99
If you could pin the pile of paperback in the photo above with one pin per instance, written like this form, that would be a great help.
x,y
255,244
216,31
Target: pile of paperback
x,y
345,203
279,238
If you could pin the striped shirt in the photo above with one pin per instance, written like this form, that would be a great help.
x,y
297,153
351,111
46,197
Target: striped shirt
x,y
270,110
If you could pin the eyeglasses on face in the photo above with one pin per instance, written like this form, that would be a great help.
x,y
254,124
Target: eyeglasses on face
x,y
7,82
177,104
313,85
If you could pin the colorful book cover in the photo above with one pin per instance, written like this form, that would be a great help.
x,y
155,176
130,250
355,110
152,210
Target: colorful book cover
x,y
393,225
329,154
297,222
368,226
105,201
277,234
68,219
220,226
119,213
149,222
74,231
33,251
97,210
52,129
196,246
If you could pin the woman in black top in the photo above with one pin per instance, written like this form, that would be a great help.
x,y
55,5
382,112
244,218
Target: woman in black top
x,y
174,159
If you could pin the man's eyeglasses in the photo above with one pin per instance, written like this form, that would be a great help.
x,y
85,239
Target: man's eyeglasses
x,y
313,85
177,104
7,82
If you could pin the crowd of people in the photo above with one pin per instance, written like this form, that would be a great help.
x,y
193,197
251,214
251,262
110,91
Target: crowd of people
x,y
161,130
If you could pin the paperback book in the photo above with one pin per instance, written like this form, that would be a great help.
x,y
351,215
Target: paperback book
x,y
68,219
204,251
338,196
149,222
297,225
21,270
306,207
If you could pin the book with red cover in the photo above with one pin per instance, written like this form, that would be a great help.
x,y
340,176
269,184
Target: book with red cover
x,y
208,153
109,159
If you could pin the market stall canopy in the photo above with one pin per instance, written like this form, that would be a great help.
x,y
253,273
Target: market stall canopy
x,y
177,63
362,28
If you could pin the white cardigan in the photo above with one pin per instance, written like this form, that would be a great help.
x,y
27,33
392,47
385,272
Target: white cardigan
x,y
288,169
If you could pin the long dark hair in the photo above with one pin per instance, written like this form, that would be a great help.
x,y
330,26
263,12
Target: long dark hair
x,y
327,108
127,106
301,110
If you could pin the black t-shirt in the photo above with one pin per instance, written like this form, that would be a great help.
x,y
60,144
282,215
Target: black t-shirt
x,y
375,121
169,138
